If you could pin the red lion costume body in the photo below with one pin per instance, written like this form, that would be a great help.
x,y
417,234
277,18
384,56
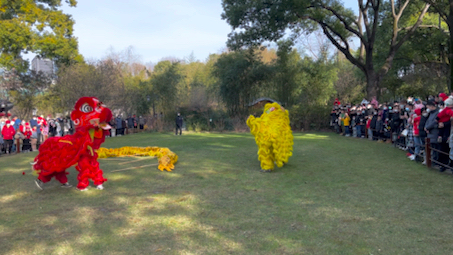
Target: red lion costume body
x,y
57,154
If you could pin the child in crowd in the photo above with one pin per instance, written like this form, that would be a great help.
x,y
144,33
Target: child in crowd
x,y
417,141
346,122
26,145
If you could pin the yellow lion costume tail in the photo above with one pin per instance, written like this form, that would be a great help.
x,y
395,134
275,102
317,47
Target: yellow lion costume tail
x,y
167,158
273,136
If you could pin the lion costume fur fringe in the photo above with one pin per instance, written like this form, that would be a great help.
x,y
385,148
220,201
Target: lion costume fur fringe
x,y
166,157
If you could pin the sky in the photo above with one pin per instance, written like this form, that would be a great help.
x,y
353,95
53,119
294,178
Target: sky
x,y
156,29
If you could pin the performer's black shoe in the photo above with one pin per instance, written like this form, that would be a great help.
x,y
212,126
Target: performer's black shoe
x,y
39,184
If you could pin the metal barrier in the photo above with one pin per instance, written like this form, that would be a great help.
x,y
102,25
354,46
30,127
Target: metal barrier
x,y
430,160
425,151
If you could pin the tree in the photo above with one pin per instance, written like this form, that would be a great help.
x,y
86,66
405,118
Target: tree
x,y
99,79
240,75
349,86
165,80
426,52
257,21
24,88
444,8
287,76
37,26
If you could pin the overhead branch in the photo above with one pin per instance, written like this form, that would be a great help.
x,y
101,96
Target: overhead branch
x,y
364,11
394,46
362,45
445,31
392,3
401,9
375,4
412,29
330,32
441,11
343,20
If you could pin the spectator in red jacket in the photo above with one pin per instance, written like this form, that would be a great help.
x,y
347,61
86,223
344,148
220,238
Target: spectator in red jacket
x,y
26,145
8,135
417,139
443,118
336,102
368,127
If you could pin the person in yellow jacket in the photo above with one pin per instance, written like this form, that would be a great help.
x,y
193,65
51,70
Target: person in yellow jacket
x,y
346,122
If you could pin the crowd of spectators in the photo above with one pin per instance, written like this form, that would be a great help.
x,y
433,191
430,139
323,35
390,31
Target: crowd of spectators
x,y
29,135
405,123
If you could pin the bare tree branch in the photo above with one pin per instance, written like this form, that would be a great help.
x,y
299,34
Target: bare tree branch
x,y
445,31
394,46
343,20
344,50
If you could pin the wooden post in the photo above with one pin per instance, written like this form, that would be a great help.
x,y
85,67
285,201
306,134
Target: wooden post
x,y
17,145
428,152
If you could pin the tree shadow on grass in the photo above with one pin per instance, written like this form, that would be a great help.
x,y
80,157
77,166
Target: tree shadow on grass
x,y
198,208
217,202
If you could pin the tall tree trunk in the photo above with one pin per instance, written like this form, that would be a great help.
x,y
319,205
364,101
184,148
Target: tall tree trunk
x,y
450,46
372,84
450,60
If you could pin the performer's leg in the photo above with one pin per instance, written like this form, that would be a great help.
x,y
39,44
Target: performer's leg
x,y
45,178
98,177
89,169
266,158
61,177
84,172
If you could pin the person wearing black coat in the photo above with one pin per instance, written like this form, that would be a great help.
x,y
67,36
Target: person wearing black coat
x,y
334,120
360,122
379,127
432,130
178,124
396,123
373,125
421,126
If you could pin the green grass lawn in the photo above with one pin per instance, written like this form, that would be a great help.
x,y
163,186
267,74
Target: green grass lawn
x,y
337,195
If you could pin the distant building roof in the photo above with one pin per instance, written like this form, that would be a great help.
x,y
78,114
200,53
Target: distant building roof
x,y
262,99
44,65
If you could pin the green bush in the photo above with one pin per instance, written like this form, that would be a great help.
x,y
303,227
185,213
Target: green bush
x,y
306,117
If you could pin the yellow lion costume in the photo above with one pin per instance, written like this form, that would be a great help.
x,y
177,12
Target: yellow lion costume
x,y
273,136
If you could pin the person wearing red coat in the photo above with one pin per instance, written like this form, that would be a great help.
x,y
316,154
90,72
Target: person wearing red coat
x,y
8,135
417,139
337,102
26,145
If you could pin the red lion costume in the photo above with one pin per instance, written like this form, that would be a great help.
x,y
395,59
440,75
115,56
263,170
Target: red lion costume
x,y
57,154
